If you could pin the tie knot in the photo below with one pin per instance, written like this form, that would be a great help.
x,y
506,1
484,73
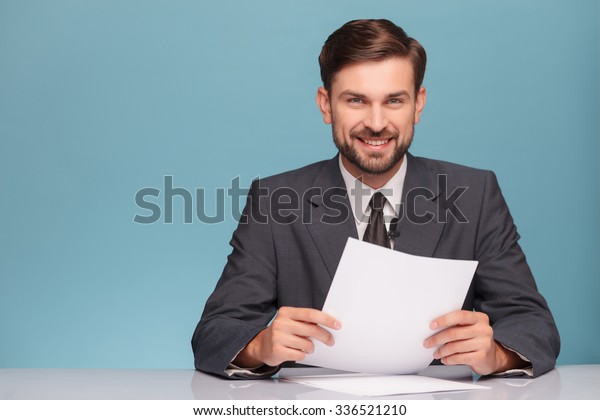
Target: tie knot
x,y
377,201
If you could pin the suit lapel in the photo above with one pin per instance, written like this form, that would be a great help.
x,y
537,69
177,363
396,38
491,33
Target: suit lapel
x,y
419,228
332,219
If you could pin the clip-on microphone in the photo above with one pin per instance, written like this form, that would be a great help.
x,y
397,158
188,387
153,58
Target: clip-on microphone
x,y
393,233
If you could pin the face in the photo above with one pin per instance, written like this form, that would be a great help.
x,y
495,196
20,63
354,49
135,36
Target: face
x,y
373,108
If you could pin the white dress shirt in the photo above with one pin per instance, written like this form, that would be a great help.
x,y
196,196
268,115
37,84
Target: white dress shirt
x,y
360,194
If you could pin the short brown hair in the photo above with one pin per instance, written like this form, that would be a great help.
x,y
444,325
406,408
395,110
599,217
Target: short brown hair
x,y
370,40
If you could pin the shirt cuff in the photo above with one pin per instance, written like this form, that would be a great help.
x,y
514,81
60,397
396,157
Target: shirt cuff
x,y
258,372
527,371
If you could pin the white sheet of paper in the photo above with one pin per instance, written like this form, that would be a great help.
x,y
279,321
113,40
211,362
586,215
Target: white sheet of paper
x,y
380,385
386,300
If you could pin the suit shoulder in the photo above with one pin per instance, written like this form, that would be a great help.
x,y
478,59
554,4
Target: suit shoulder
x,y
456,173
441,166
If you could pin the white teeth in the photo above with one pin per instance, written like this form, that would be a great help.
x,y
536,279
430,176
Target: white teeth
x,y
376,142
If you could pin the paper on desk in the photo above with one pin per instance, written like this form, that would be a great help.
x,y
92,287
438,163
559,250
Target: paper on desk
x,y
380,385
385,300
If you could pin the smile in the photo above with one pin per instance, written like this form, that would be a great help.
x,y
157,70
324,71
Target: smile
x,y
375,142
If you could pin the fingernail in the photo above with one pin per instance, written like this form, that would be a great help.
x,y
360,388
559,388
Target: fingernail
x,y
426,344
337,325
433,325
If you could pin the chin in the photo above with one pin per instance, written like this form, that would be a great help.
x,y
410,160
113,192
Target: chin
x,y
374,165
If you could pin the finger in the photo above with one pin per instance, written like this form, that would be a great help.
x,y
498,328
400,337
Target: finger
x,y
273,347
284,354
458,318
283,326
314,331
313,316
446,336
478,344
278,346
459,333
474,360
295,342
459,359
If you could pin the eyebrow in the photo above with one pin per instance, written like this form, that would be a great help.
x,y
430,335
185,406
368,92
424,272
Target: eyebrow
x,y
363,96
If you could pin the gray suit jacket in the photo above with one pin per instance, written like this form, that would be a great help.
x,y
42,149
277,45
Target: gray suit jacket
x,y
294,228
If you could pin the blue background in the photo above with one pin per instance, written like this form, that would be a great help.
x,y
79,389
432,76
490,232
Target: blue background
x,y
99,99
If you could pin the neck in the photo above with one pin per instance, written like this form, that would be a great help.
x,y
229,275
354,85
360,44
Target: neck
x,y
373,181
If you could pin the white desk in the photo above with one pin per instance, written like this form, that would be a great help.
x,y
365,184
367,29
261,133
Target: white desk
x,y
564,382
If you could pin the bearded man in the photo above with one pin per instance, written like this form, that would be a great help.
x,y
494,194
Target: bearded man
x,y
266,307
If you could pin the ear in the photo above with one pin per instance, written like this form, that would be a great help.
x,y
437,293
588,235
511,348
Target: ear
x,y
324,104
420,103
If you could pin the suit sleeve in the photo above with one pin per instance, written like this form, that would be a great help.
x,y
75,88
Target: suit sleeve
x,y
244,300
505,288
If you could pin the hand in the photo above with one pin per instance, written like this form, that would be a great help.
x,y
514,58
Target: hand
x,y
468,339
288,338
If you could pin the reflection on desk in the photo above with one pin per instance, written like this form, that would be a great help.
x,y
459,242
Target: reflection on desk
x,y
564,382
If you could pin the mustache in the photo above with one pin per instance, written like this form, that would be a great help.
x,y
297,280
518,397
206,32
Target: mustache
x,y
367,133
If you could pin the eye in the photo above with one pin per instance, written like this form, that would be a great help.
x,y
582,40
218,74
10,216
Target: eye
x,y
355,101
395,101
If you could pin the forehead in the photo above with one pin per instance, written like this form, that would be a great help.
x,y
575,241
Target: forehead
x,y
375,77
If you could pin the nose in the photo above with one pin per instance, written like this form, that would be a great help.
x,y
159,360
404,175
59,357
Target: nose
x,y
376,119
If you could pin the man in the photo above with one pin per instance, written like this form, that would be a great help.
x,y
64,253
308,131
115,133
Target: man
x,y
265,309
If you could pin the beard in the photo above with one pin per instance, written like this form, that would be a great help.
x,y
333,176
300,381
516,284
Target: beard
x,y
372,163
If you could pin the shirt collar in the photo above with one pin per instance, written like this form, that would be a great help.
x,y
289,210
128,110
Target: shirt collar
x,y
360,194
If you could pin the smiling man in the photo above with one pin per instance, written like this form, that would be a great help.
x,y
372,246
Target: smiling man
x,y
373,107
266,308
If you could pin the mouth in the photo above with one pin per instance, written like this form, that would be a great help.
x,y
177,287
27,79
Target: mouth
x,y
374,142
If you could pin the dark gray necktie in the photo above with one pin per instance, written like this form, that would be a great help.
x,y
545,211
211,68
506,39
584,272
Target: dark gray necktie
x,y
376,232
